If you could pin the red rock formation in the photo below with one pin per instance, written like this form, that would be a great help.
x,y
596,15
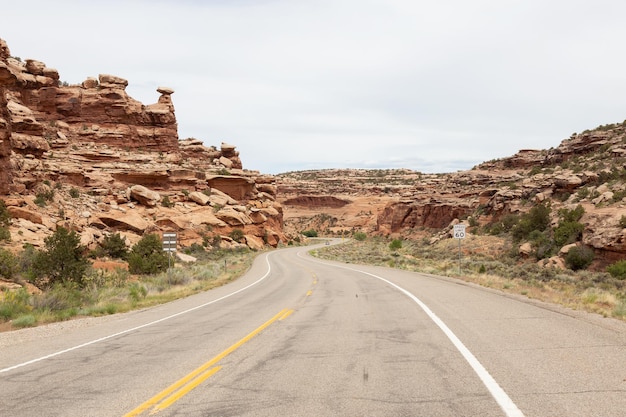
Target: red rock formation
x,y
313,201
114,164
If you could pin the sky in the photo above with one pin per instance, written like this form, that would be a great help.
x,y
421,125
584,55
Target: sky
x,y
433,86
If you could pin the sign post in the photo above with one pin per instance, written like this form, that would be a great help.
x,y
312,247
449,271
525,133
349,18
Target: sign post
x,y
459,233
169,246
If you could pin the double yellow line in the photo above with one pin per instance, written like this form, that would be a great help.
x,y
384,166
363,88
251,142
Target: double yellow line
x,y
181,387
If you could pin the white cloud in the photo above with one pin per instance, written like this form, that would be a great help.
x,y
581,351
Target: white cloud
x,y
436,85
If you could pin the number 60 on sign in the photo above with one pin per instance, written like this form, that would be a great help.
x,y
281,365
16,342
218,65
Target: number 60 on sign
x,y
459,231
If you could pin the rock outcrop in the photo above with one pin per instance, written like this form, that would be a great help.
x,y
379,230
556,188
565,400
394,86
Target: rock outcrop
x,y
587,169
92,158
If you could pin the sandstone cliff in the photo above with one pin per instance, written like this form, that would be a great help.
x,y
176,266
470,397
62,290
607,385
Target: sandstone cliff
x,y
587,169
92,158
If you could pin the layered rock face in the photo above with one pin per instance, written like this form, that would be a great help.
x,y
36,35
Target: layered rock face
x,y
587,169
108,163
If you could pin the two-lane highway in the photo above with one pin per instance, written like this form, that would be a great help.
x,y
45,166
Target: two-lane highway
x,y
298,336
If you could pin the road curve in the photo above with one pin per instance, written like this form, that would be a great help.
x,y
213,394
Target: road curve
x,y
297,336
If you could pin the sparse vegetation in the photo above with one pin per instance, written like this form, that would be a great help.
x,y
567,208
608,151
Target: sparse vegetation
x,y
147,256
109,292
617,270
236,235
165,202
579,257
43,197
497,269
62,261
114,245
395,244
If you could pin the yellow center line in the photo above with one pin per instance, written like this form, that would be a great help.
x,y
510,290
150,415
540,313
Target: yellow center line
x,y
283,314
309,292
184,390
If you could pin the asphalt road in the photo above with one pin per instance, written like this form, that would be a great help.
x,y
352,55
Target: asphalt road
x,y
297,336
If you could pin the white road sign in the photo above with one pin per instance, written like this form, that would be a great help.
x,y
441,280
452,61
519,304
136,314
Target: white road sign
x,y
459,231
169,242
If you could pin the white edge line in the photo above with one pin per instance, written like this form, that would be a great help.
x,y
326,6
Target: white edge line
x,y
92,342
496,391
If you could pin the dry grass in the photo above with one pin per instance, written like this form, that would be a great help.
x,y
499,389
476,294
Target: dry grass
x,y
115,291
487,261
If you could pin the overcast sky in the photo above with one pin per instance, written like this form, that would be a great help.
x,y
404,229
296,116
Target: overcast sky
x,y
433,86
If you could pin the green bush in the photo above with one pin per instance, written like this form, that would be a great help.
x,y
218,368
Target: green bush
x,y
165,202
574,215
27,320
395,244
568,232
58,298
147,256
74,193
137,292
541,243
8,264
618,269
5,216
236,235
114,246
537,219
310,233
5,234
61,261
579,257
360,236
14,303
42,197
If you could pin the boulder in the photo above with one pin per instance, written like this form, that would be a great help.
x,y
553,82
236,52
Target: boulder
x,y
22,213
233,217
144,195
254,242
130,221
200,198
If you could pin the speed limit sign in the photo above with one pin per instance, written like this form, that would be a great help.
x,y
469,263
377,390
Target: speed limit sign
x,y
459,231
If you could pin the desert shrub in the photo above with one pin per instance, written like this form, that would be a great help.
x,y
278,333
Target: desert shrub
x,y
573,215
622,222
165,202
27,320
236,235
360,236
505,224
42,197
5,221
61,261
541,243
14,303
5,216
537,219
568,232
147,256
194,249
8,264
114,246
618,269
579,257
58,298
74,193
5,234
395,244
310,233
137,292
